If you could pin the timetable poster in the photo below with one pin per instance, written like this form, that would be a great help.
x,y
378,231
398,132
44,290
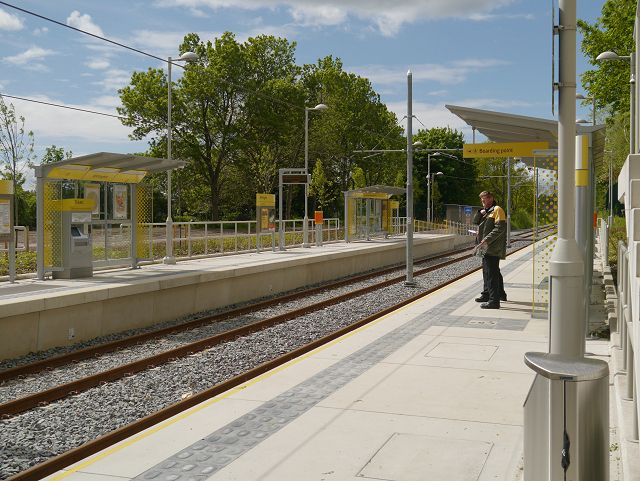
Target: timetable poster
x,y
119,201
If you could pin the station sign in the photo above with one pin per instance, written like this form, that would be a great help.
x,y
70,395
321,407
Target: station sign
x,y
318,217
266,212
511,149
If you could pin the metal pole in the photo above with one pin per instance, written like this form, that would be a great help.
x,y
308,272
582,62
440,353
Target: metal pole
x,y
508,201
12,255
39,224
305,226
346,217
593,109
583,215
168,258
566,268
429,188
632,106
409,276
630,371
280,221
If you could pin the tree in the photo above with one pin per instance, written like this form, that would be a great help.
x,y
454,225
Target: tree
x,y
356,120
55,154
612,31
457,185
219,109
16,145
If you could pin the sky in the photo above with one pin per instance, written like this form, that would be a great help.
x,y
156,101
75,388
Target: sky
x,y
488,54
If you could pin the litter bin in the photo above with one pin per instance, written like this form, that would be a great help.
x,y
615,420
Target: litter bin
x,y
566,419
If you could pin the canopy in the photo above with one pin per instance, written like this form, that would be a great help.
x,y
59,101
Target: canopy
x,y
107,167
376,190
503,127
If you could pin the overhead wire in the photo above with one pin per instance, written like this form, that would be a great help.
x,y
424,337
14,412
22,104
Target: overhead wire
x,y
51,104
113,42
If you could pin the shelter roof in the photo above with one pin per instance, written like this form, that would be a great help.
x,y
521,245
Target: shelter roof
x,y
106,166
503,127
378,189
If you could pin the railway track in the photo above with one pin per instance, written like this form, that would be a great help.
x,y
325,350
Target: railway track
x,y
29,402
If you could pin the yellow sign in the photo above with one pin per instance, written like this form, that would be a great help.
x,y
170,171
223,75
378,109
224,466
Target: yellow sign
x,y
268,200
76,205
104,174
512,149
6,187
369,195
69,171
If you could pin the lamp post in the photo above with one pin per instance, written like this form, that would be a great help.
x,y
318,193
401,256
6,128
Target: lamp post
x,y
430,180
305,226
429,156
607,56
168,258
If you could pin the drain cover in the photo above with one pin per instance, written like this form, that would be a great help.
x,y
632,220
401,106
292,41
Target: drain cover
x,y
481,322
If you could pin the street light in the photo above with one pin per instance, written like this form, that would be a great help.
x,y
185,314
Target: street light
x,y
305,226
168,258
608,55
429,155
430,180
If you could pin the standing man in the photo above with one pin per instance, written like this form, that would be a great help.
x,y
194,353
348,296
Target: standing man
x,y
492,242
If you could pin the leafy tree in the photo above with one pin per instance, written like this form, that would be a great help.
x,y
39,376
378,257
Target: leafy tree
x,y
612,31
456,186
55,154
16,150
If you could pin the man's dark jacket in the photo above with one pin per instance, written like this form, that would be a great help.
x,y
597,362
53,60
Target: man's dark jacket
x,y
492,227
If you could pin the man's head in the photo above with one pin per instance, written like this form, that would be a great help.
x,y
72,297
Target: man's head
x,y
486,198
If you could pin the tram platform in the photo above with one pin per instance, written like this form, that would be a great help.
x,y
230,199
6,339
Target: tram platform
x,y
37,315
432,391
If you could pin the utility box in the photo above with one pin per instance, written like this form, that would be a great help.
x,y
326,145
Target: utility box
x,y
77,249
566,419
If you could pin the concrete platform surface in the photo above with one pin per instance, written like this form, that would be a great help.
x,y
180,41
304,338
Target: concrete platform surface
x,y
433,391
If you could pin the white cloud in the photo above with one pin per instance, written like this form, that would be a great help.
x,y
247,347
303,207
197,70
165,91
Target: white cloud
x,y
454,73
318,15
485,17
389,17
111,101
114,79
163,41
84,22
98,64
28,56
55,122
10,22
38,32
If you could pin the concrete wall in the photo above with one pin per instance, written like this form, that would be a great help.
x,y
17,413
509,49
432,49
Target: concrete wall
x,y
41,322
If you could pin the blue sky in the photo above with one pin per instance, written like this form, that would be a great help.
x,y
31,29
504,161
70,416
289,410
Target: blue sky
x,y
491,54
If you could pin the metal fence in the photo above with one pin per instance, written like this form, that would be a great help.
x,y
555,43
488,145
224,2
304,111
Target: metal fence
x,y
621,301
204,239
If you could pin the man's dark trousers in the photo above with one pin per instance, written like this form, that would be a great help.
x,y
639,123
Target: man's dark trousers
x,y
493,282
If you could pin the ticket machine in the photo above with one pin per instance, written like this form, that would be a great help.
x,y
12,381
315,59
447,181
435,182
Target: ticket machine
x,y
77,249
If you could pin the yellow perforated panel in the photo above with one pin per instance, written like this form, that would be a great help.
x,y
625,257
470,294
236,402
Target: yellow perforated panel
x,y
52,224
546,215
144,210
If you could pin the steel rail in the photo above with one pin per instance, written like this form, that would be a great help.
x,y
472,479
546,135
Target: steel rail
x,y
95,351
25,403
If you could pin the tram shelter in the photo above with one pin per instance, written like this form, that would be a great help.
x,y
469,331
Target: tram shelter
x,y
96,203
370,211
501,127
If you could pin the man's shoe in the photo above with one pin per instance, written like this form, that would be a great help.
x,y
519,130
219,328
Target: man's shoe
x,y
490,305
482,298
503,297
